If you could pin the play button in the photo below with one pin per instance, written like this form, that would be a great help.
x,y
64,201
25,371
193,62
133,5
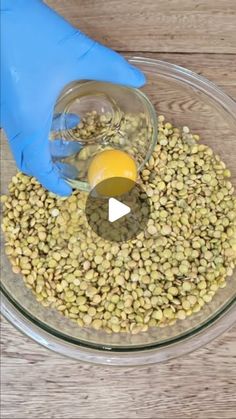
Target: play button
x,y
118,218
116,210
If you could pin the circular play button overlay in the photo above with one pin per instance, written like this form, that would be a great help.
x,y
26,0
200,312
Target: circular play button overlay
x,y
117,209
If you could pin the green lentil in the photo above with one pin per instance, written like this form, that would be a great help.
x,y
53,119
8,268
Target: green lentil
x,y
168,273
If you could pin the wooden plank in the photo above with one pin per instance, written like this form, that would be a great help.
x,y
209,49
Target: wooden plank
x,y
38,384
157,26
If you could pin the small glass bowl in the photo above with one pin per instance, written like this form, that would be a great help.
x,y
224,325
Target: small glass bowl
x,y
123,118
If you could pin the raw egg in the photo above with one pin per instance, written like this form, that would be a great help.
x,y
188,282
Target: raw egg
x,y
112,172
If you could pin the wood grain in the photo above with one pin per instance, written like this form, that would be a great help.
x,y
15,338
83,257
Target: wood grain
x,y
168,26
38,384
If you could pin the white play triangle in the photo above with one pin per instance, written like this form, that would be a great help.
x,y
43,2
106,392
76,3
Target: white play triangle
x,y
116,210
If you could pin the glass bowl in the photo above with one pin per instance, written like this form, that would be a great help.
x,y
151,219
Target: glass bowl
x,y
185,99
124,118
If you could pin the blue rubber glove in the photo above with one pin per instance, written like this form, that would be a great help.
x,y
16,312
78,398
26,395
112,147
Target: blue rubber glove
x,y
41,53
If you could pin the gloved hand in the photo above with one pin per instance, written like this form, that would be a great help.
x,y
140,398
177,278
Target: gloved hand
x,y
41,53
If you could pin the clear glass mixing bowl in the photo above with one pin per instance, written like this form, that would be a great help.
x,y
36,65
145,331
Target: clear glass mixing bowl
x,y
185,99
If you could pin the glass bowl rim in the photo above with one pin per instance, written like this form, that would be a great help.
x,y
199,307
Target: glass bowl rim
x,y
218,322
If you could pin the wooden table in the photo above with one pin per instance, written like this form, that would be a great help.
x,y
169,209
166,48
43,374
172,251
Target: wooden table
x,y
38,384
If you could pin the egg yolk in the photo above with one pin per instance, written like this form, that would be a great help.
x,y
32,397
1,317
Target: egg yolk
x,y
115,167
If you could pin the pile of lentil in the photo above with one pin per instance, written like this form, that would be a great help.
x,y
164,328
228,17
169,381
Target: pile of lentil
x,y
168,272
